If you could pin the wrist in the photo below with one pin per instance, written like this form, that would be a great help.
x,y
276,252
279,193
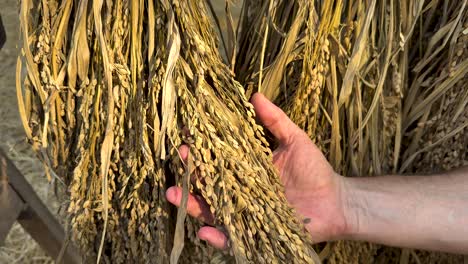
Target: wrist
x,y
350,211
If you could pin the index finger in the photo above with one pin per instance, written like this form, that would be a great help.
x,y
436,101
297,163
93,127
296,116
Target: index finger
x,y
274,119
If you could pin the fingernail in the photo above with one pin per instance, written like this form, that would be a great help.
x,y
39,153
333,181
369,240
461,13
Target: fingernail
x,y
201,235
184,150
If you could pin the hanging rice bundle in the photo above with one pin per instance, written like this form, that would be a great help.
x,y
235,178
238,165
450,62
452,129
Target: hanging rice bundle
x,y
114,88
349,73
379,86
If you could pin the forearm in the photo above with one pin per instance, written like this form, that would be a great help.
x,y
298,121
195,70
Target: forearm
x,y
426,212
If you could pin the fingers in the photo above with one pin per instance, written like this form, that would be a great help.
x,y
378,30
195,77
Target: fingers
x,y
214,237
196,207
274,119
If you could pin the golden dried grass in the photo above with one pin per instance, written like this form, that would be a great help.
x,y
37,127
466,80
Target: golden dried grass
x,y
114,87
107,111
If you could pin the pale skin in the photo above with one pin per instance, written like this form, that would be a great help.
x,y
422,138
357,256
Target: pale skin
x,y
424,212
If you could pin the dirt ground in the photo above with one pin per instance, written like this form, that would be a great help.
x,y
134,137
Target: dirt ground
x,y
19,246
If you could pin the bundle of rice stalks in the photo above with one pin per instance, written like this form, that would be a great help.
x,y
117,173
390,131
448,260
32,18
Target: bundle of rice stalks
x,y
113,88
357,68
380,86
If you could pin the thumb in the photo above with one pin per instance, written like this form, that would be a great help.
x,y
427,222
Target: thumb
x,y
274,119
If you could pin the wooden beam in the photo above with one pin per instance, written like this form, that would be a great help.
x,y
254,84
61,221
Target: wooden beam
x,y
11,206
36,219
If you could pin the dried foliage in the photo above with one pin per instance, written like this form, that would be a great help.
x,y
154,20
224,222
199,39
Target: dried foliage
x,y
380,86
113,88
367,73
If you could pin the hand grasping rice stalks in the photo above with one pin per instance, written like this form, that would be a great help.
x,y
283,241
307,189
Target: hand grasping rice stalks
x,y
353,76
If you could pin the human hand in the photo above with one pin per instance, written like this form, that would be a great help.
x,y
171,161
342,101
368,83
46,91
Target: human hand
x,y
311,185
